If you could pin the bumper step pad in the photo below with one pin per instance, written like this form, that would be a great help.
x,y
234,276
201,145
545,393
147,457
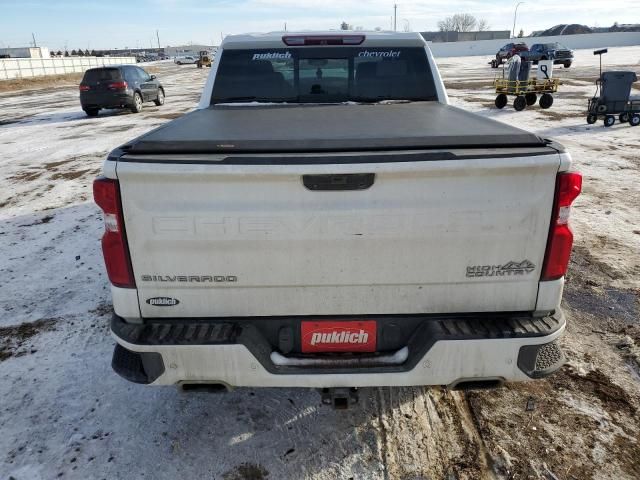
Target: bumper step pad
x,y
137,367
215,332
539,361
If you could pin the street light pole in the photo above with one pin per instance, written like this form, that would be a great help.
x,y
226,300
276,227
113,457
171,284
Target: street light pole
x,y
395,14
515,13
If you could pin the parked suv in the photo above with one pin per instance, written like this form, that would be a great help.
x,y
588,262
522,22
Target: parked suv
x,y
509,50
125,86
549,51
188,60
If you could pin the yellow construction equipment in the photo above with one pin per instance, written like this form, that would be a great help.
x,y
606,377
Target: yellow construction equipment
x,y
204,60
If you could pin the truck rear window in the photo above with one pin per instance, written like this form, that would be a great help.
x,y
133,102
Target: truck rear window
x,y
101,75
324,75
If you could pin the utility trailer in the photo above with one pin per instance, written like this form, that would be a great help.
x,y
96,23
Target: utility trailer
x,y
613,97
525,92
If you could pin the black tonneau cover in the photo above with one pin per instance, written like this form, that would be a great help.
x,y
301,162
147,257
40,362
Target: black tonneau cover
x,y
318,128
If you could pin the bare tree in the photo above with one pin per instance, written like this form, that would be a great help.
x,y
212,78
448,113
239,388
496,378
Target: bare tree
x,y
446,25
460,22
521,33
483,25
345,26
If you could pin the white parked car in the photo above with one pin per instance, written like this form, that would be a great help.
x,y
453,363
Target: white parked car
x,y
185,60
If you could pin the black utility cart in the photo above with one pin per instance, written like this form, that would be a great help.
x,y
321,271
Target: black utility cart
x,y
613,97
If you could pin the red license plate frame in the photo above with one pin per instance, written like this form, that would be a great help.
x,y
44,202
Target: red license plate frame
x,y
323,336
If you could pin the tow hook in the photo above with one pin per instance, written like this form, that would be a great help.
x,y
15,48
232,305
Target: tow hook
x,y
340,398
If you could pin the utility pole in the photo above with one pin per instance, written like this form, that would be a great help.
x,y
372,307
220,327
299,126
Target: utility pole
x,y
34,40
515,13
158,37
285,26
395,17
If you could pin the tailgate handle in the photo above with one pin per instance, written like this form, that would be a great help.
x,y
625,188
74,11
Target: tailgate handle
x,y
340,181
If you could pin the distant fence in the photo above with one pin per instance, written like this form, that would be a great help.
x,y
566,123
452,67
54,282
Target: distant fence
x,y
490,47
465,36
11,68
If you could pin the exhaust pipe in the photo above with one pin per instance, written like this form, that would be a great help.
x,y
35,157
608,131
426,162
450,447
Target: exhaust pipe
x,y
476,383
204,387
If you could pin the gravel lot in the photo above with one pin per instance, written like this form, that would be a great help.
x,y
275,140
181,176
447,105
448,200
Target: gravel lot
x,y
65,414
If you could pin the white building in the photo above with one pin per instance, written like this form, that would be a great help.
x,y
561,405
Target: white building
x,y
25,52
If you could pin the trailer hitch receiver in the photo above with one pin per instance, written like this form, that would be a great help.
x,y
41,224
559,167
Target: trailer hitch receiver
x,y
340,398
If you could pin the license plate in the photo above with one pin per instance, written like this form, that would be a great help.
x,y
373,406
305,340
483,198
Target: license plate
x,y
338,336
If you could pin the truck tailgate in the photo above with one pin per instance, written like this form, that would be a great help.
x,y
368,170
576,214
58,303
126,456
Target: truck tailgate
x,y
450,235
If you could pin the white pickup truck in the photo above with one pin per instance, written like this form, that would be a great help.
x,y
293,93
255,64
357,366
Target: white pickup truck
x,y
325,219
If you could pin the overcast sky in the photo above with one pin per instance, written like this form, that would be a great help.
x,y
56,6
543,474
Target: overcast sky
x,y
133,23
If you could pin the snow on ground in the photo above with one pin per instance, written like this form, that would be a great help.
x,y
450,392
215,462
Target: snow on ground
x,y
606,215
65,414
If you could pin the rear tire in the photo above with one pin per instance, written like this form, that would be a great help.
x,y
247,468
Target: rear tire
x,y
609,120
546,100
634,121
91,112
592,118
501,101
567,64
520,103
137,103
531,98
160,100
624,117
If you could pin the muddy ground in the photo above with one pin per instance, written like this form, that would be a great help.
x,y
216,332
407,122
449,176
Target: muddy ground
x,y
65,414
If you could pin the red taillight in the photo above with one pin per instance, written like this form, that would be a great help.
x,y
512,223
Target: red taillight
x,y
85,88
556,260
106,193
302,40
117,85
